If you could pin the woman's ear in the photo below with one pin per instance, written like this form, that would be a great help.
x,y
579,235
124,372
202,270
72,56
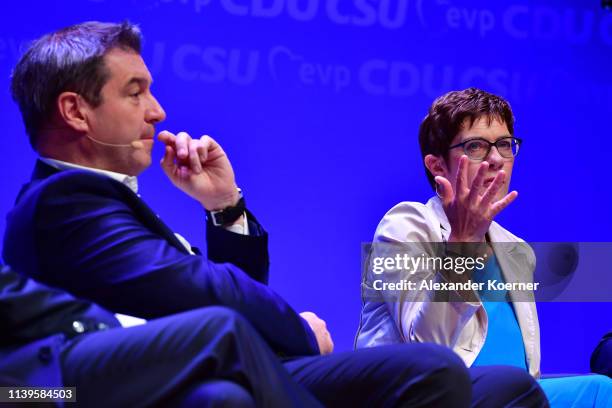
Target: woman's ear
x,y
436,165
72,109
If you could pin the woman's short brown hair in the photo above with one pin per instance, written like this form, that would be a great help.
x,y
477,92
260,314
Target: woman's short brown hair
x,y
449,112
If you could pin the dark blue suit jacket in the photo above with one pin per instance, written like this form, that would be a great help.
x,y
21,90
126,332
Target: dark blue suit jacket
x,y
93,236
35,322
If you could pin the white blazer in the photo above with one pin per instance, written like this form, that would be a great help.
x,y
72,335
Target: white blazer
x,y
462,326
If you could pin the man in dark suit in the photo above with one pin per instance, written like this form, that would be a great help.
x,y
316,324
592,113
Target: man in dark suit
x,y
208,355
84,93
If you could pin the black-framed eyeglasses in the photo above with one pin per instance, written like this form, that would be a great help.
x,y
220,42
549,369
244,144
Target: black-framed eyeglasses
x,y
479,148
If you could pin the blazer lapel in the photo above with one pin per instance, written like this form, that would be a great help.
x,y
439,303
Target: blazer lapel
x,y
141,210
514,263
435,205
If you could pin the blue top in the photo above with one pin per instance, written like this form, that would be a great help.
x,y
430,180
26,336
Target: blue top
x,y
504,342
504,346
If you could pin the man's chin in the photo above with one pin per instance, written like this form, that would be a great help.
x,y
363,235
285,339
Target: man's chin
x,y
141,161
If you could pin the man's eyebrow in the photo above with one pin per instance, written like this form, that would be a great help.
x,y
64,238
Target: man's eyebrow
x,y
140,81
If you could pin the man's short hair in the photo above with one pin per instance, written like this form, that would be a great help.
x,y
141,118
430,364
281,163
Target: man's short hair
x,y
70,59
448,113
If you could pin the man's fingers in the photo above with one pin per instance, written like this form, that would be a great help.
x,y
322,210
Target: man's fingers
x,y
167,162
194,156
205,146
445,190
493,188
202,153
183,173
503,203
170,166
166,137
330,343
319,328
327,344
213,149
182,145
477,183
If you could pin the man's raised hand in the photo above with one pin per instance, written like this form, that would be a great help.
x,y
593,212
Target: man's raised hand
x,y
200,168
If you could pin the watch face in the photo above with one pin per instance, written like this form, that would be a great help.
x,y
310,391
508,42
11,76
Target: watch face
x,y
228,215
218,218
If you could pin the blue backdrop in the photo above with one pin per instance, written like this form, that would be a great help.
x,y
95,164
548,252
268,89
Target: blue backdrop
x,y
318,103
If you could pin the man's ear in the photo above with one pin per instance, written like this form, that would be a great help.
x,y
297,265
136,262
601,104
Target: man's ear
x,y
436,165
72,109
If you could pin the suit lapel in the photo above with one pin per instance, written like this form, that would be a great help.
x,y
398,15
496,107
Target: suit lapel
x,y
42,170
141,210
148,217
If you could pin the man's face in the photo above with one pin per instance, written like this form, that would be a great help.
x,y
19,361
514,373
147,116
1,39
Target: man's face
x,y
493,132
128,113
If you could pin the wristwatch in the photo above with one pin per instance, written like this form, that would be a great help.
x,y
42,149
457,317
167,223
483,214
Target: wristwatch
x,y
228,215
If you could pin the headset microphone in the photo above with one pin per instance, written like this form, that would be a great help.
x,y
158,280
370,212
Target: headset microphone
x,y
136,144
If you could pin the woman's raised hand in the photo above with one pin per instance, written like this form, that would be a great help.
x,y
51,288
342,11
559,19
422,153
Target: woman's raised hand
x,y
471,209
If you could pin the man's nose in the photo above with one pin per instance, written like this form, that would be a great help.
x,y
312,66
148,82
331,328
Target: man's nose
x,y
155,113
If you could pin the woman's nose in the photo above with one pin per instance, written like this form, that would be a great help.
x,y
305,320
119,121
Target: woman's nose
x,y
496,161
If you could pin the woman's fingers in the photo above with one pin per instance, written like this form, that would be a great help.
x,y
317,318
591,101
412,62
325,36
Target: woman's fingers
x,y
498,206
493,189
461,183
445,190
478,183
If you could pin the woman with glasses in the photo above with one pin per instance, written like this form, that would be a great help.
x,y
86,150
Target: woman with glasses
x,y
469,149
